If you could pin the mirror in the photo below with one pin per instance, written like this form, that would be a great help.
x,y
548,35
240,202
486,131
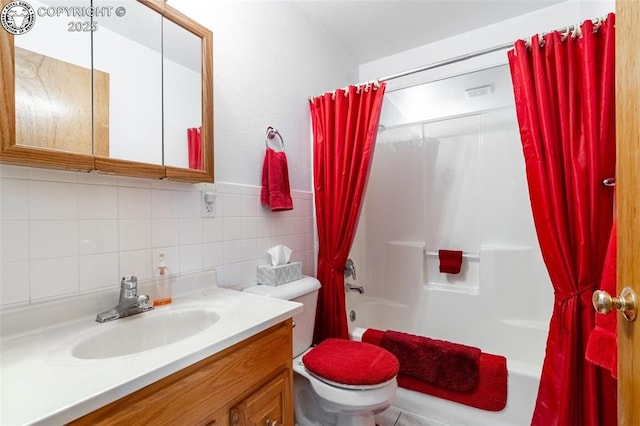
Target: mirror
x,y
53,89
182,89
128,49
130,97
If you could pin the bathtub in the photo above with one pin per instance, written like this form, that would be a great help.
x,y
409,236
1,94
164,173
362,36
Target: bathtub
x,y
523,367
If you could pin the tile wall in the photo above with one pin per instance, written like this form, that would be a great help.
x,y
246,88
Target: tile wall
x,y
65,234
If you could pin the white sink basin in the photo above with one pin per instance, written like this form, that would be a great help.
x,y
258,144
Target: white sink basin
x,y
144,331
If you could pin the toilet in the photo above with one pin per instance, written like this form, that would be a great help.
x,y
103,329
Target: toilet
x,y
345,383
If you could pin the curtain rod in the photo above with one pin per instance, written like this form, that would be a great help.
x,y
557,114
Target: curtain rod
x,y
447,61
472,55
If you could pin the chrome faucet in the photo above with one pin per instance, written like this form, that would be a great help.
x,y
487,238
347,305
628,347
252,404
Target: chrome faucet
x,y
129,303
351,287
350,269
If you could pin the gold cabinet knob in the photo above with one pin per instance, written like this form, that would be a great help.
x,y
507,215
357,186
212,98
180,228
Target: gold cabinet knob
x,y
604,303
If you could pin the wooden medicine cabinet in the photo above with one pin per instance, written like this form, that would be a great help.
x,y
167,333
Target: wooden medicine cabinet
x,y
116,93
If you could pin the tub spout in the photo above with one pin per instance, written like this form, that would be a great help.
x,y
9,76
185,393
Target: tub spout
x,y
351,287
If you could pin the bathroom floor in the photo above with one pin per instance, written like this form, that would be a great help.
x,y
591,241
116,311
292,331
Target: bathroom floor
x,y
394,416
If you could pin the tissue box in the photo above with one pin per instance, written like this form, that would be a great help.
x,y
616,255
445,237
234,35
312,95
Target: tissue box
x,y
281,274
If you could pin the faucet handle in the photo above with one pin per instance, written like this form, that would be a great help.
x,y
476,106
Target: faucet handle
x,y
128,287
350,269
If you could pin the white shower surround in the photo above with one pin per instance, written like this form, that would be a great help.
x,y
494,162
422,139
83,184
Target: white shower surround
x,y
463,189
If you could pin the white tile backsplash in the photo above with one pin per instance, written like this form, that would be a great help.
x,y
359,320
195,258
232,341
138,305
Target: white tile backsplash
x,y
191,231
69,233
212,229
97,236
136,262
134,234
213,255
97,202
249,206
165,204
233,251
190,203
53,200
232,228
51,175
134,203
279,226
53,238
248,227
231,275
8,171
54,277
14,240
15,283
15,199
232,205
191,258
171,259
165,232
98,271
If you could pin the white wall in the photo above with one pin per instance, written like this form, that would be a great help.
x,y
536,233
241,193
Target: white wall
x,y
65,234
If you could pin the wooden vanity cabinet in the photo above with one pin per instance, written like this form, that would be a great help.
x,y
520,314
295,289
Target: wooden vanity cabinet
x,y
246,384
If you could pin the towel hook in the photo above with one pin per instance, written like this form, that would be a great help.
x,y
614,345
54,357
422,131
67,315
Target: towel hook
x,y
271,134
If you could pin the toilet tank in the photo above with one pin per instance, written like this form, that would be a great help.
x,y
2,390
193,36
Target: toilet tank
x,y
305,291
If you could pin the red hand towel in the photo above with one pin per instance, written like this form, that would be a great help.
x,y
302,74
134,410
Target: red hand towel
x,y
275,181
441,363
603,341
450,261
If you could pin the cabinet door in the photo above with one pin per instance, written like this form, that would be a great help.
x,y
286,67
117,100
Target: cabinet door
x,y
265,407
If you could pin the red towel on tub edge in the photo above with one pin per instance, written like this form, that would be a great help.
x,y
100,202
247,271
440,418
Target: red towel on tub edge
x,y
444,364
489,393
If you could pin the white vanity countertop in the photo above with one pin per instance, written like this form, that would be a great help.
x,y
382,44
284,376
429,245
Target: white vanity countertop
x,y
41,382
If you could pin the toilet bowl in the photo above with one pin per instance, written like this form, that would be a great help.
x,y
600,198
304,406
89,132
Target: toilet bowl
x,y
344,390
340,404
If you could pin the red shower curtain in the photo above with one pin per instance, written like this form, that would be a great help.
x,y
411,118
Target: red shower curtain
x,y
345,126
564,92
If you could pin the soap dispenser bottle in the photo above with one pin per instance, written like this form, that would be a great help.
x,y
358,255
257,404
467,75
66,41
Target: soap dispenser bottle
x,y
163,284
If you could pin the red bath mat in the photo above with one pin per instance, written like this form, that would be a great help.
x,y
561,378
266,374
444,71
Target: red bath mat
x,y
489,394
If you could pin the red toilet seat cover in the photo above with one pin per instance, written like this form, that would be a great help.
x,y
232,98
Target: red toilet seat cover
x,y
351,363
